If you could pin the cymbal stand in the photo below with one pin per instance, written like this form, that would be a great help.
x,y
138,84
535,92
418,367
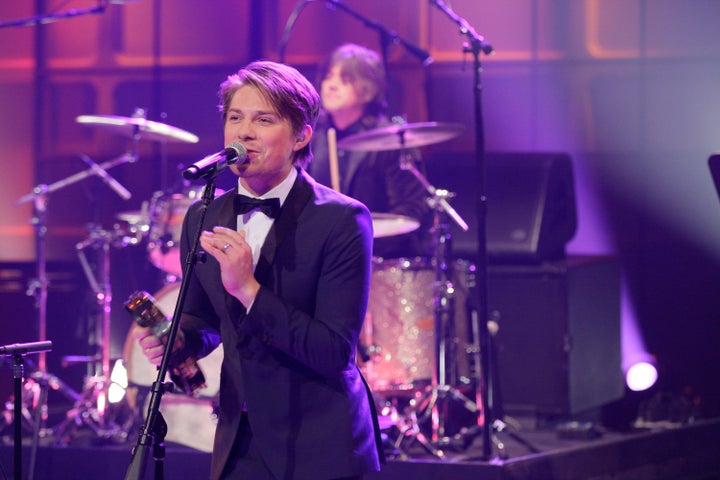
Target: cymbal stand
x,y
91,408
434,402
38,287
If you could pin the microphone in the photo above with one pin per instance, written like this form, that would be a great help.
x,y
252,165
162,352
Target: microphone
x,y
234,152
25,348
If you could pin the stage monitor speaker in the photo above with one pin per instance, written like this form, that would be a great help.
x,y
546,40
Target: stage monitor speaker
x,y
558,344
531,211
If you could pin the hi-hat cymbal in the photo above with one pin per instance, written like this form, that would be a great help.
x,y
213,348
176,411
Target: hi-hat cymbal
x,y
396,137
130,126
388,224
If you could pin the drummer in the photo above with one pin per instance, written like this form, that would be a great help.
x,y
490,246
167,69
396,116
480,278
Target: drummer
x,y
352,86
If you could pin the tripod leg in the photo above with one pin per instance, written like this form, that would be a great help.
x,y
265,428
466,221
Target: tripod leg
x,y
491,409
500,426
411,429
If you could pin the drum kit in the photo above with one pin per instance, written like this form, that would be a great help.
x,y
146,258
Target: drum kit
x,y
413,344
408,341
159,222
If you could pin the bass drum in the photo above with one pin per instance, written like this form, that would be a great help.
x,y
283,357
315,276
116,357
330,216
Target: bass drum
x,y
398,340
191,421
398,333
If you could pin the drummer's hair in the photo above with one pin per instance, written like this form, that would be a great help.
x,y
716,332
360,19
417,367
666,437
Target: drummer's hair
x,y
287,90
363,68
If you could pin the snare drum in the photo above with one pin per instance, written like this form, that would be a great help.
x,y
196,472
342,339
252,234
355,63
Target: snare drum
x,y
399,332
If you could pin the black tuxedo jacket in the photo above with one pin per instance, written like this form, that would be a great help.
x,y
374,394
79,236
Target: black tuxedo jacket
x,y
290,361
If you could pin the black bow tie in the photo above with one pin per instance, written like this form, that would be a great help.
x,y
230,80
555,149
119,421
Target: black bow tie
x,y
269,206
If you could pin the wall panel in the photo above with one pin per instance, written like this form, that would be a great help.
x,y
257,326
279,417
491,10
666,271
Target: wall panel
x,y
189,33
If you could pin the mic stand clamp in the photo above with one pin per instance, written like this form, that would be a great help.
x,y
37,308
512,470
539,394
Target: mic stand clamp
x,y
154,430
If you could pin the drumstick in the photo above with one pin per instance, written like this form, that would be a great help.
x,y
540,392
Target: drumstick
x,y
333,159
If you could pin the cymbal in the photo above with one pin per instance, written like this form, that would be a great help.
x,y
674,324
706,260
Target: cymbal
x,y
129,126
388,224
396,137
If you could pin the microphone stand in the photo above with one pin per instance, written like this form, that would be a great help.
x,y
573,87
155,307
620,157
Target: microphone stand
x,y
18,352
483,386
154,430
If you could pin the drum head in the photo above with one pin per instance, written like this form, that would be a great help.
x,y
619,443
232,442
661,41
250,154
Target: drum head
x,y
166,214
400,325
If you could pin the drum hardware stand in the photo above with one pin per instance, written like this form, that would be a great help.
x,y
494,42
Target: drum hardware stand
x,y
408,427
90,408
433,404
38,287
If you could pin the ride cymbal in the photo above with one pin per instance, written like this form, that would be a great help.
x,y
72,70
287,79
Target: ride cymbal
x,y
131,126
397,137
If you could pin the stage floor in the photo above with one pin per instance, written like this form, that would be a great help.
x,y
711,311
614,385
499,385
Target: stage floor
x,y
667,452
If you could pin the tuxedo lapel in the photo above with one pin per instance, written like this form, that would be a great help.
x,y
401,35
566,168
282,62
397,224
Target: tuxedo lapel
x,y
226,217
283,226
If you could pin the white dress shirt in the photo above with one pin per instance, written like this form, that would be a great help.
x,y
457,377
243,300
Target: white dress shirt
x,y
255,223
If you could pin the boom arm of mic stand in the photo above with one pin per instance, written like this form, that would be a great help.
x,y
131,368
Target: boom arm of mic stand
x,y
477,40
155,426
289,26
386,35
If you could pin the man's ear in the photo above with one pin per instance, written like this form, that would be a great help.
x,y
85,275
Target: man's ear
x,y
303,137
368,92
